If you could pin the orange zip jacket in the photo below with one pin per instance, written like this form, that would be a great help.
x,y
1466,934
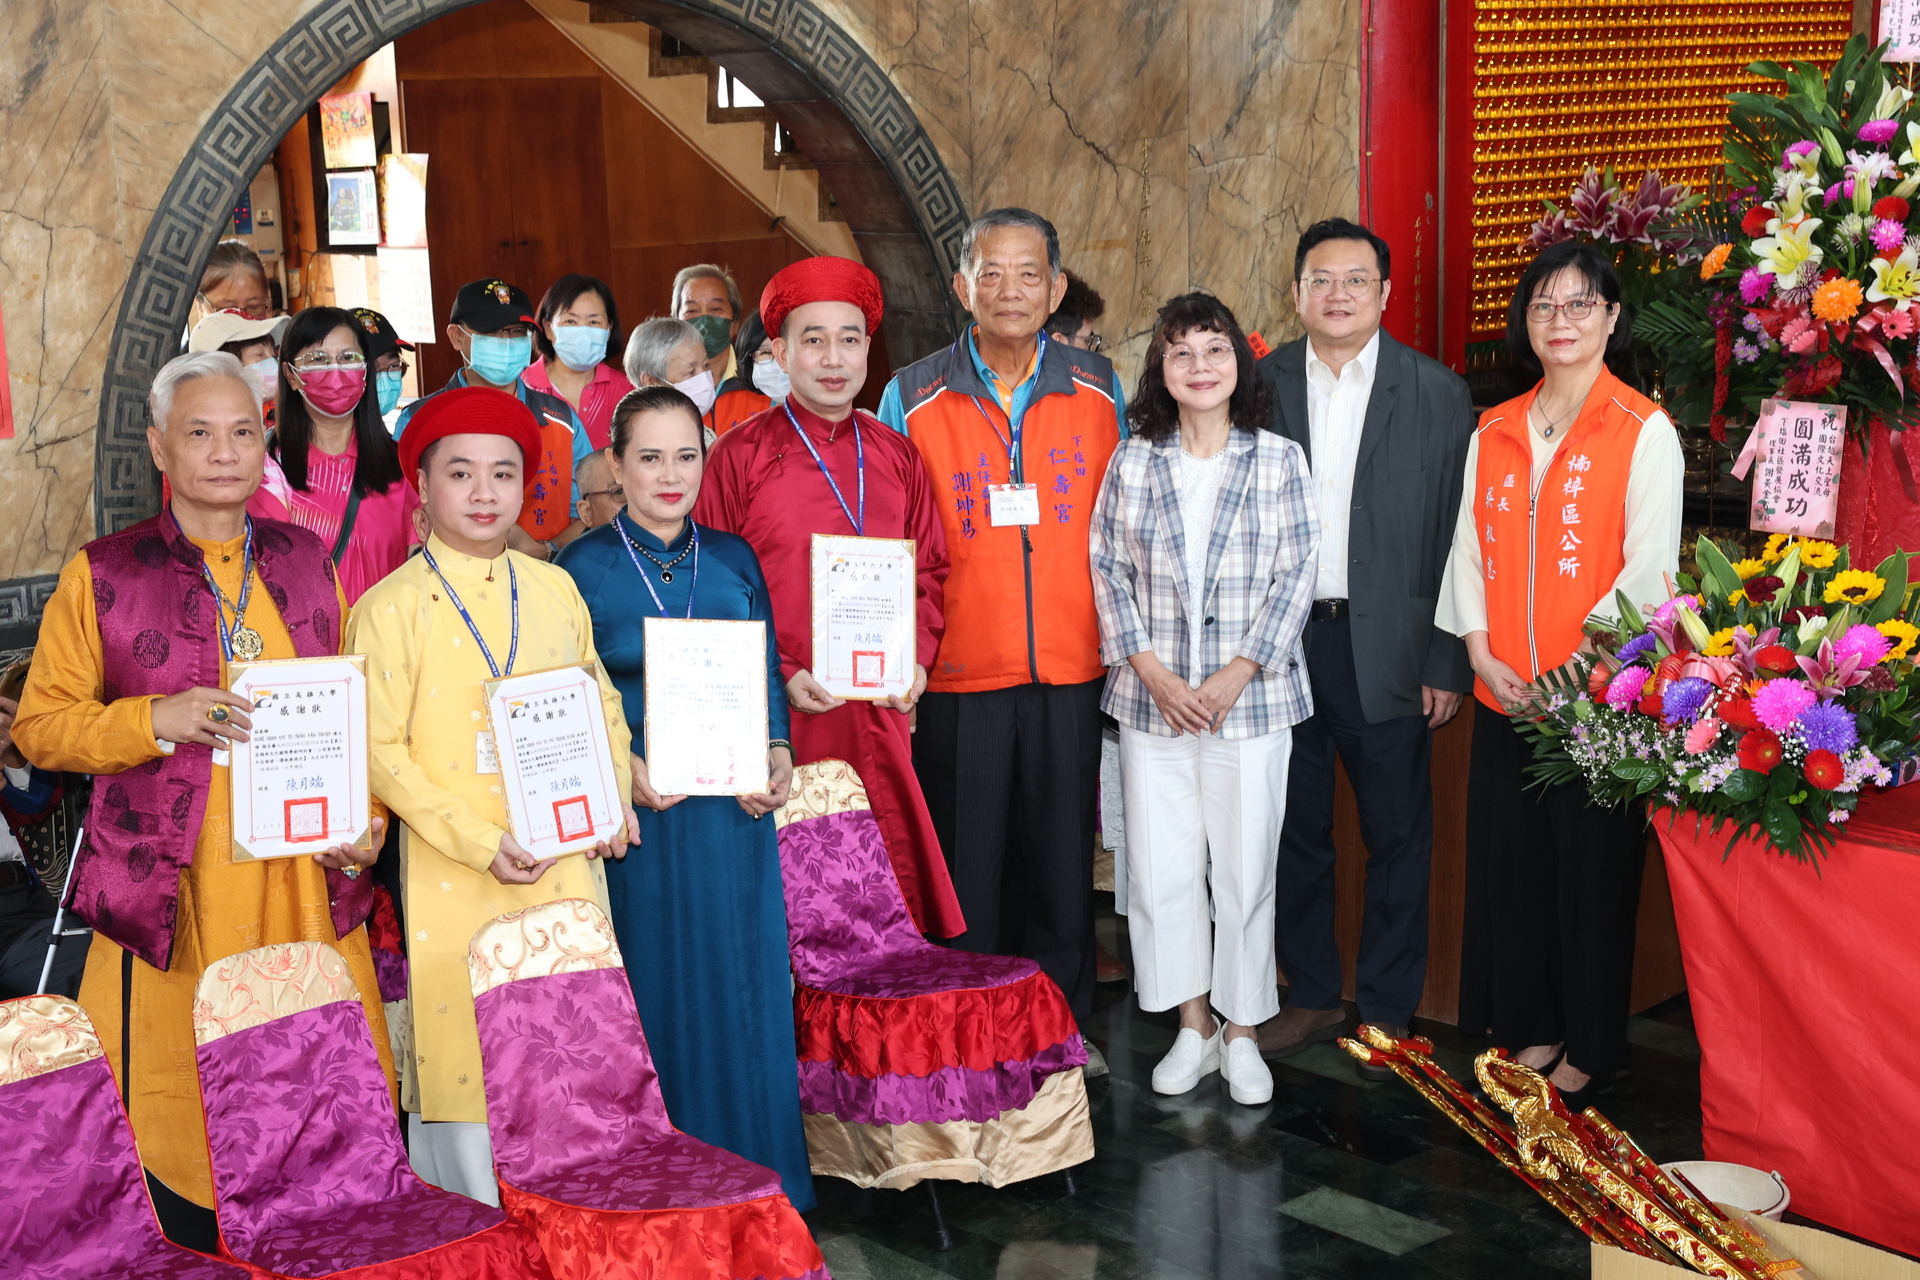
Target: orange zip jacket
x,y
1548,552
1020,598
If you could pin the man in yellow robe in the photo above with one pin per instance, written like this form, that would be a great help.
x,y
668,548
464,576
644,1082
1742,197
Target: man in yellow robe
x,y
129,683
464,611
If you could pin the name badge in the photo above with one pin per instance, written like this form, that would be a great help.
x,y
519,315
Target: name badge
x,y
485,758
1013,504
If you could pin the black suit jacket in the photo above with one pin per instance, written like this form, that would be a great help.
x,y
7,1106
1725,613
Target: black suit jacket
x,y
1406,497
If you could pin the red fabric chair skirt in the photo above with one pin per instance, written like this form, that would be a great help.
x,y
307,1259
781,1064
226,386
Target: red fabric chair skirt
x,y
755,1240
508,1251
978,1029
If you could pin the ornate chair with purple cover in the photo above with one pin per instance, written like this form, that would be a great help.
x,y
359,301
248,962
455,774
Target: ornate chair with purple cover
x,y
308,1168
581,1141
74,1203
916,1061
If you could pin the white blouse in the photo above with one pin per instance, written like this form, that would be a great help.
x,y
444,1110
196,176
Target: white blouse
x,y
1652,542
1197,486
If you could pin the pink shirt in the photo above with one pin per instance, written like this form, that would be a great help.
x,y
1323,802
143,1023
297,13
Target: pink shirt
x,y
382,528
596,401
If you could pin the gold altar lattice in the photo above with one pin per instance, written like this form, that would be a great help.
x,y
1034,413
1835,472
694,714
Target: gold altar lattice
x,y
1561,84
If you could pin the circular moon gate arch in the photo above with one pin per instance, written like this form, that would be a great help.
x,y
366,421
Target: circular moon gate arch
x,y
850,120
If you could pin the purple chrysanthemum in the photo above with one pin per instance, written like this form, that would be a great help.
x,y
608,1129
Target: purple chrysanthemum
x,y
1888,235
1754,285
1625,688
1780,702
1683,699
1745,352
1865,641
1828,726
1634,648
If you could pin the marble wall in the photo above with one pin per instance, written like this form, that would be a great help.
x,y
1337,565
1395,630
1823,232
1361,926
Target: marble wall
x,y
1176,143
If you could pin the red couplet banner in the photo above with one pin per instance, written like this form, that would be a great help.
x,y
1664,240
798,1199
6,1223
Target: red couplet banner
x,y
1805,986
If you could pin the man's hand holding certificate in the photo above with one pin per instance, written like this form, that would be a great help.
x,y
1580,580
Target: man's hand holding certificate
x,y
863,617
556,767
300,770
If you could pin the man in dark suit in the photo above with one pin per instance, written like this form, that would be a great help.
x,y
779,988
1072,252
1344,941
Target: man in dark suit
x,y
1385,430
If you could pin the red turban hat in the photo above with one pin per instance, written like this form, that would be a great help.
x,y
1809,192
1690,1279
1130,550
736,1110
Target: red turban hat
x,y
478,411
821,280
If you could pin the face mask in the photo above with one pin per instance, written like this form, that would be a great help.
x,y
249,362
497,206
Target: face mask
x,y
500,360
267,372
579,346
713,332
332,391
699,389
772,381
387,387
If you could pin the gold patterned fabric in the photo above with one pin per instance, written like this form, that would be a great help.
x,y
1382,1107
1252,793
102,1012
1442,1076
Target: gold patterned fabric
x,y
258,986
1051,1133
39,1034
571,935
821,788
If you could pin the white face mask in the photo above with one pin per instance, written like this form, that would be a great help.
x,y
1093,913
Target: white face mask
x,y
771,380
699,389
267,372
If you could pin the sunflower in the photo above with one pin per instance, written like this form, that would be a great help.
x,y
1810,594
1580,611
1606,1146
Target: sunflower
x,y
1716,260
1749,568
1738,598
1855,586
1818,555
1838,300
1903,634
1777,547
1720,643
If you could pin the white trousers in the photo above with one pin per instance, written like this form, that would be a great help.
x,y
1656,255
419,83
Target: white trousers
x,y
1204,814
454,1155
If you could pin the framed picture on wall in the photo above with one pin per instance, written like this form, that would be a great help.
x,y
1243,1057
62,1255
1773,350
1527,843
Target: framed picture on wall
x,y
353,208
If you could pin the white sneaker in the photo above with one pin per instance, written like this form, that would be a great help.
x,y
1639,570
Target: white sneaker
x,y
1192,1057
1249,1082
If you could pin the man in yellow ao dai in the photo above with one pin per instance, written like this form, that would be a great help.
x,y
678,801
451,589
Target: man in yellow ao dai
x,y
433,631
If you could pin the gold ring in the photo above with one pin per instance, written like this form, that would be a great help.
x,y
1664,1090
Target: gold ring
x,y
218,713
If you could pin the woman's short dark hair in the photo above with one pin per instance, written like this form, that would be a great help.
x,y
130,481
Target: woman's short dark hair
x,y
654,400
752,333
1152,413
563,293
377,468
1594,268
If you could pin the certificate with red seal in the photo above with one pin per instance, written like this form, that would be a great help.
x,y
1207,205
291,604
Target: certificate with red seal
x,y
864,621
299,782
556,761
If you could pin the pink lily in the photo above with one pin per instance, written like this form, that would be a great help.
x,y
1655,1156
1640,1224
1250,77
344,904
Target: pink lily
x,y
1745,646
1830,676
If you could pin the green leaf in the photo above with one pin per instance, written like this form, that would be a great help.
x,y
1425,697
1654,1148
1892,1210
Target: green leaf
x,y
1781,783
1744,786
1630,620
1894,570
1715,567
1783,826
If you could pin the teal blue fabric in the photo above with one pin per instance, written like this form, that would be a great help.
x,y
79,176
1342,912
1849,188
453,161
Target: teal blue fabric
x,y
698,906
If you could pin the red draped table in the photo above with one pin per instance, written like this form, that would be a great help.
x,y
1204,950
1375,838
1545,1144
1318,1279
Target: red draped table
x,y
1805,986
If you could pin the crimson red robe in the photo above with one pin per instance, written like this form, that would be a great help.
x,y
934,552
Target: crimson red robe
x,y
762,484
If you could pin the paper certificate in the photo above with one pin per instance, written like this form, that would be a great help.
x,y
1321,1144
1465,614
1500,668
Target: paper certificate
x,y
863,616
300,779
706,706
556,765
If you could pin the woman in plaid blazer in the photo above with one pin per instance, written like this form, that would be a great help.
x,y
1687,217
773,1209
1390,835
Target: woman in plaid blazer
x,y
1204,545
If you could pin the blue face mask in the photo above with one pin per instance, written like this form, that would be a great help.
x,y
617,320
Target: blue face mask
x,y
500,360
387,386
580,347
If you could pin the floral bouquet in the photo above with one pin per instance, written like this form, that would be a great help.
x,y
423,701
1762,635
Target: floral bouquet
x,y
1810,295
1766,695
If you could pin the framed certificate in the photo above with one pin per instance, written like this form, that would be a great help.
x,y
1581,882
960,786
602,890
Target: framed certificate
x,y
706,706
863,616
556,765
300,779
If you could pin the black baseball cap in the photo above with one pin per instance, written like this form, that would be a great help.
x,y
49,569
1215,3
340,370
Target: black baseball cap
x,y
490,305
382,337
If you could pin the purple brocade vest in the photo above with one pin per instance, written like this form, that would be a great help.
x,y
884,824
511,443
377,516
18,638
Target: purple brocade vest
x,y
159,634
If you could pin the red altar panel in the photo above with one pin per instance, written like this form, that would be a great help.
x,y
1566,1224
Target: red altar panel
x,y
1805,986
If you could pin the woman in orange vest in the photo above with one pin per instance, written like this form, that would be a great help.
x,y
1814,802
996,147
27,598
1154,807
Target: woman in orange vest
x,y
1572,493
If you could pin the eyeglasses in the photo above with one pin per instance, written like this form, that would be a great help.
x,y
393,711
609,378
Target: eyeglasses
x,y
602,493
1355,286
1217,354
317,359
1577,309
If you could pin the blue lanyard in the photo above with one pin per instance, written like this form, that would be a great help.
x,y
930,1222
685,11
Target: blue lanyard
x,y
627,541
513,586
220,597
1016,462
860,470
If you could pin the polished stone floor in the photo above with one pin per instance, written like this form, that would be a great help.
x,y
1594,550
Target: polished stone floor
x,y
1336,1177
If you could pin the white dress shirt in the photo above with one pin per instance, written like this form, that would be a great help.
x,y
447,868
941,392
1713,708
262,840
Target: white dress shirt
x,y
1651,542
1336,412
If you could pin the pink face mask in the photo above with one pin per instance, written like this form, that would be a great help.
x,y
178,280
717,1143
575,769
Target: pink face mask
x,y
332,391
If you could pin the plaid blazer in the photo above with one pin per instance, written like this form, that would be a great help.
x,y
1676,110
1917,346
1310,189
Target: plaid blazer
x,y
1255,596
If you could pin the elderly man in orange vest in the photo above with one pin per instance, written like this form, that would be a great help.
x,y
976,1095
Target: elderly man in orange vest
x,y
1016,431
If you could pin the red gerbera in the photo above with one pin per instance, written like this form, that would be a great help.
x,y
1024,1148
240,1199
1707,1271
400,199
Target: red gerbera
x,y
1892,208
1777,658
1755,223
1759,751
1650,702
1737,712
1823,769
